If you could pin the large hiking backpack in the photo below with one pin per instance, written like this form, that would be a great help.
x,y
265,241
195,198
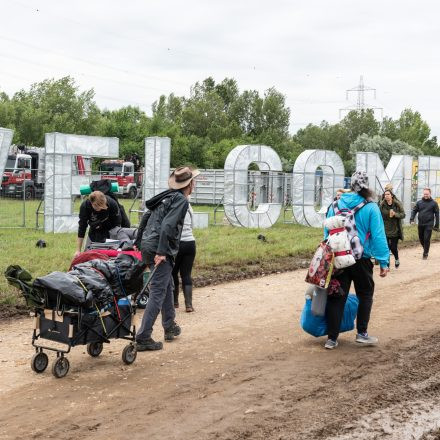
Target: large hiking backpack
x,y
349,226
104,186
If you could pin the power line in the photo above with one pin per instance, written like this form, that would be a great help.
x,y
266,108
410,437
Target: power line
x,y
360,103
82,60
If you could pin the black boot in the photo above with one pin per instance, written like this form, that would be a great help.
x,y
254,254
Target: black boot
x,y
187,293
176,296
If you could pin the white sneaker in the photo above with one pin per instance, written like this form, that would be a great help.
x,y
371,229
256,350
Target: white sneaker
x,y
363,338
330,344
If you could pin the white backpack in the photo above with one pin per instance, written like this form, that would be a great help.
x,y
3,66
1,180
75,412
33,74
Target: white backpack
x,y
343,236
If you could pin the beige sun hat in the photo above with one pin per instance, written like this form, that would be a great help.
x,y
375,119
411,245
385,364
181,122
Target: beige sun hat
x,y
181,177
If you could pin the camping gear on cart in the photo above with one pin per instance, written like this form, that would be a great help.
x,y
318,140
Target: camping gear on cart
x,y
78,318
104,254
317,325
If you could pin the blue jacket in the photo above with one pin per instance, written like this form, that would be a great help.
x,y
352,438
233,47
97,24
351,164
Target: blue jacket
x,y
368,219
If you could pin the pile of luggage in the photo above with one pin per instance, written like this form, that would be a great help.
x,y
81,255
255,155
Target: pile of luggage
x,y
91,284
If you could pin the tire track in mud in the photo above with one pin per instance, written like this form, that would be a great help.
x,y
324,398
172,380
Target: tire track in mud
x,y
351,403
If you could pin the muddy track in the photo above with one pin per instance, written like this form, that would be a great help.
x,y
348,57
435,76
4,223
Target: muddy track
x,y
243,369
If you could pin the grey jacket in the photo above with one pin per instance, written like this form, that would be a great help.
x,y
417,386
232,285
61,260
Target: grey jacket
x,y
161,226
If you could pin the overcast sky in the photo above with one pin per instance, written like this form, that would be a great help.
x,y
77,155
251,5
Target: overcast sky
x,y
133,51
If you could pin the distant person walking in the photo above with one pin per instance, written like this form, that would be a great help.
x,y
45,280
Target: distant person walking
x,y
428,219
184,262
392,214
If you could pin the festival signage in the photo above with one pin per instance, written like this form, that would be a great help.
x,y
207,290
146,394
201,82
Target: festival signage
x,y
5,142
398,172
236,186
60,183
317,174
304,185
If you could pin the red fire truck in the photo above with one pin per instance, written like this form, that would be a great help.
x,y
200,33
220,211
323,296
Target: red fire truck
x,y
123,173
24,172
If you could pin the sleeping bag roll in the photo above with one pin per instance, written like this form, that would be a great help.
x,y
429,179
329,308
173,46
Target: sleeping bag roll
x,y
85,189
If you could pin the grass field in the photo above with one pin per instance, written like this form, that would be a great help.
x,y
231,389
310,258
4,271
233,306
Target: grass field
x,y
223,252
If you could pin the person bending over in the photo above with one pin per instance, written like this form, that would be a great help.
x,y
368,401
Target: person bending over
x,y
99,212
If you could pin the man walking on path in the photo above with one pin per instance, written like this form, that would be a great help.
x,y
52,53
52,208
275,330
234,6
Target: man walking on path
x,y
427,209
158,236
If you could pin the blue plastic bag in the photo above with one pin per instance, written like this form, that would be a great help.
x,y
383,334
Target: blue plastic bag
x,y
317,325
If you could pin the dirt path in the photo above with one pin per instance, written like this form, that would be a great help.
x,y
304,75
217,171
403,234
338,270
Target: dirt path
x,y
243,369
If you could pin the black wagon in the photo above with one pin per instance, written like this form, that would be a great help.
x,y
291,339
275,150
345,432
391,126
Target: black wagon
x,y
59,326
78,326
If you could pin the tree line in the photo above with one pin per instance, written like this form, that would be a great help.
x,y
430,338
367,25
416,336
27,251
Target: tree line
x,y
207,124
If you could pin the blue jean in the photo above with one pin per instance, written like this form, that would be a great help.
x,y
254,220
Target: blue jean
x,y
160,300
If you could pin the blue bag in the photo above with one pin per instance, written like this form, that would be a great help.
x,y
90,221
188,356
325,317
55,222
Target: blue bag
x,y
317,325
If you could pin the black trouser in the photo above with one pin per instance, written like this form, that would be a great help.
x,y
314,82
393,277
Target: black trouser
x,y
361,273
425,233
184,263
392,244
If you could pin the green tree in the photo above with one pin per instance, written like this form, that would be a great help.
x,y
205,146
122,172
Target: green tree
x,y
131,125
54,105
381,145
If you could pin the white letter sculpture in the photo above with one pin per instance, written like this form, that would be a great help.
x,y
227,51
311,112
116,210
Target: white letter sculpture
x,y
304,184
428,176
236,186
60,182
5,142
398,172
157,166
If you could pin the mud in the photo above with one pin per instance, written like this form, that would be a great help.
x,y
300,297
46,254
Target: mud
x,y
243,369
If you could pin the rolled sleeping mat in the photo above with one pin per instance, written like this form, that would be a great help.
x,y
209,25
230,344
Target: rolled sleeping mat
x,y
85,189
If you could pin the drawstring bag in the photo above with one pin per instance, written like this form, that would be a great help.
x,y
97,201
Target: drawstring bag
x,y
321,266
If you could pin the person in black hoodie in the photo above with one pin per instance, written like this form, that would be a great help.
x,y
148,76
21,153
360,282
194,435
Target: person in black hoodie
x,y
427,209
101,213
158,239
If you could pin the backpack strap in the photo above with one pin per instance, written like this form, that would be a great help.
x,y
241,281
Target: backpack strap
x,y
360,206
336,209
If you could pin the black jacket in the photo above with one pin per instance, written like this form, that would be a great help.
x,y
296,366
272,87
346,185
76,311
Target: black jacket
x,y
100,222
427,210
161,226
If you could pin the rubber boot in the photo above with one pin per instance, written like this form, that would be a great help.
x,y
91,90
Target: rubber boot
x,y
187,293
176,297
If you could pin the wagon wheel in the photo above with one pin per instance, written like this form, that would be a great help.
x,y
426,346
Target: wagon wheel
x,y
60,367
94,349
129,354
142,301
39,362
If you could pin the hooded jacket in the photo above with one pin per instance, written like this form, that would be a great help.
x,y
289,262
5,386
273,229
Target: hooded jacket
x,y
161,226
368,221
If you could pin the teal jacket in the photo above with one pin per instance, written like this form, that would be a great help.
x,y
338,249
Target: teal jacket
x,y
368,220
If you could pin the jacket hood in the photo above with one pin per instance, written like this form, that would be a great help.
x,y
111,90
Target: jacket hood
x,y
350,200
157,199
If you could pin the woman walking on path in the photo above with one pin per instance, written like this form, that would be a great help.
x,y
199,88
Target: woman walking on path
x,y
371,233
184,262
392,214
